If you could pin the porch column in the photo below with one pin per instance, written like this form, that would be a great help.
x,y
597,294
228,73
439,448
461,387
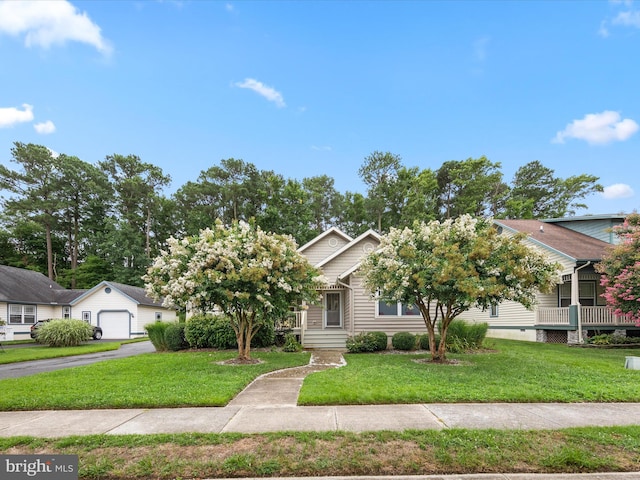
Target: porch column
x,y
575,297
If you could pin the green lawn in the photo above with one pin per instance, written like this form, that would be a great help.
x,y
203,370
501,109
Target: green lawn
x,y
35,351
515,372
144,381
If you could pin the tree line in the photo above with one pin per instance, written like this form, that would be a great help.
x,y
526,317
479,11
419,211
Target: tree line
x,y
80,223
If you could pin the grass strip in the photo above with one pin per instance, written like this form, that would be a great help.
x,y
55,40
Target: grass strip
x,y
138,457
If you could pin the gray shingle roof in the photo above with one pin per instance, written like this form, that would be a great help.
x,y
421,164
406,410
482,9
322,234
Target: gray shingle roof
x,y
20,285
136,293
574,244
26,286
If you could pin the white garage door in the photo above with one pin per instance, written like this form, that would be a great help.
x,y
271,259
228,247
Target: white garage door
x,y
115,325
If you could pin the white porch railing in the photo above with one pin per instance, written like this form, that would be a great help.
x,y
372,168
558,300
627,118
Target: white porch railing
x,y
590,316
295,321
552,316
602,316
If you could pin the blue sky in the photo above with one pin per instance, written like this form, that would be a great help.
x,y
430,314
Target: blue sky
x,y
309,88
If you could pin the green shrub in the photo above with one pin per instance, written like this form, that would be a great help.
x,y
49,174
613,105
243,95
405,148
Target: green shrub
x,y
612,339
403,341
291,344
210,331
381,340
215,331
65,332
463,336
362,342
265,337
156,332
174,337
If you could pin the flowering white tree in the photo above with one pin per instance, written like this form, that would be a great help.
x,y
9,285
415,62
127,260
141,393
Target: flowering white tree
x,y
447,268
252,276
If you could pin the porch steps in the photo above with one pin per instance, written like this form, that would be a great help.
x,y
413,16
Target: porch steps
x,y
327,339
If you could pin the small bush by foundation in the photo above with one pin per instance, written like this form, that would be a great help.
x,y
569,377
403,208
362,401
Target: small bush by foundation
x,y
403,341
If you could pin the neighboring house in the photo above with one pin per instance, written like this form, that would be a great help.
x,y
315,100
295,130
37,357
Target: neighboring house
x,y
121,310
574,308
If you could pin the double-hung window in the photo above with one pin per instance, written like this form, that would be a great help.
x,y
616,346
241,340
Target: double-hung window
x,y
19,314
396,309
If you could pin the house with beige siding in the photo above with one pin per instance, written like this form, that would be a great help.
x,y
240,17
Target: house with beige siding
x,y
347,308
120,310
575,309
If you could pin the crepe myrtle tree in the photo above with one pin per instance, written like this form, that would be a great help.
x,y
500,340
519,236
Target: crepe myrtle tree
x,y
446,268
620,270
250,275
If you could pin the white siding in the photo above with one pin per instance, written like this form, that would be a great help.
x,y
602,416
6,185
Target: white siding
x,y
102,303
147,315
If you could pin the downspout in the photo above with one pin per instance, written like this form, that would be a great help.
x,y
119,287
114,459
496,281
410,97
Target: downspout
x,y
575,297
351,307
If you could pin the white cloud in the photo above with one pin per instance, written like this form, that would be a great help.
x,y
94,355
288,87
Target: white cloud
x,y
627,19
603,31
598,129
323,148
45,128
11,116
617,190
265,91
50,23
480,47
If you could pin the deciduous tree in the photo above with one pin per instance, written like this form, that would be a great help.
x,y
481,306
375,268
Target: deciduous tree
x,y
446,268
620,269
251,276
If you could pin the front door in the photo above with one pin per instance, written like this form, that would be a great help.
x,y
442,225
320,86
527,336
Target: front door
x,y
333,309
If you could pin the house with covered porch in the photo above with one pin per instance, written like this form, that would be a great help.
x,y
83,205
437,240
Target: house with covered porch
x,y
575,309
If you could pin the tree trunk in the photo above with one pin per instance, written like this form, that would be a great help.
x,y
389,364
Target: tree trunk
x,y
49,251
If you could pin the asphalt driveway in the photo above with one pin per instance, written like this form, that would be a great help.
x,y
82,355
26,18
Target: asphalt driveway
x,y
22,369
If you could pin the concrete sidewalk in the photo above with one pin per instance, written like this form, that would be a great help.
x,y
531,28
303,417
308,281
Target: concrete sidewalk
x,y
352,418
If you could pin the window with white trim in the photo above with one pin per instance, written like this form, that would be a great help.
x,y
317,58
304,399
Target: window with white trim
x,y
493,310
66,312
19,314
396,309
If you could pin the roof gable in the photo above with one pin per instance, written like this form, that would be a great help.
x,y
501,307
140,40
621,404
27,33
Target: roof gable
x,y
135,294
324,234
369,233
574,245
